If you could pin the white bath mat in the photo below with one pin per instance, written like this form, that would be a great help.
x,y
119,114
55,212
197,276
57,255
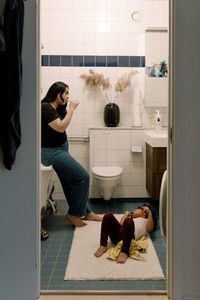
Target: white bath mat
x,y
83,265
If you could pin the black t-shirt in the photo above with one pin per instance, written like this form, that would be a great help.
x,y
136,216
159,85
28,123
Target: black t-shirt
x,y
50,137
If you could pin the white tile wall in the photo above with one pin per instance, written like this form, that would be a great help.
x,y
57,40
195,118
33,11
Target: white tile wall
x,y
93,27
88,26
92,102
112,147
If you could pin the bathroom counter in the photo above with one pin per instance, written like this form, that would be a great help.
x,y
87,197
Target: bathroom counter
x,y
156,138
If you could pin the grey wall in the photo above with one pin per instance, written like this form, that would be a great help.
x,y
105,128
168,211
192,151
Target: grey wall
x,y
18,188
186,201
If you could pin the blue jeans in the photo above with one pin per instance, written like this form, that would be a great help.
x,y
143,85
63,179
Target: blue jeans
x,y
73,177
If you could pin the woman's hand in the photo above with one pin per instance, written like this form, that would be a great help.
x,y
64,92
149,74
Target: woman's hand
x,y
61,125
73,104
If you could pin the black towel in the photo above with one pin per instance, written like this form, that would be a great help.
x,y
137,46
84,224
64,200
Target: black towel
x,y
11,81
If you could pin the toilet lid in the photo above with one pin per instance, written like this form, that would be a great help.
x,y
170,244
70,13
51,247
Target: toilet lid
x,y
107,171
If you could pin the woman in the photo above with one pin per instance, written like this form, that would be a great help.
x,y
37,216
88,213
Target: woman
x,y
132,226
73,177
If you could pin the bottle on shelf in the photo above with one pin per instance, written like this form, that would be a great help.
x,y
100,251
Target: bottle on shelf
x,y
157,119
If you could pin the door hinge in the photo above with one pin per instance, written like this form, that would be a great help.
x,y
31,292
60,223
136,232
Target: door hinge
x,y
171,135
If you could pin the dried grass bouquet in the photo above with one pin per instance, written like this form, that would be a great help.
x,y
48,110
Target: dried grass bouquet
x,y
96,79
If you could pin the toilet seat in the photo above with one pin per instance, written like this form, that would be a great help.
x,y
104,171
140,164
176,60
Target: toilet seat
x,y
107,171
44,168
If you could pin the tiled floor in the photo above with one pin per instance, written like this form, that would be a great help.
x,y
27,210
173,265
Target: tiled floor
x,y
55,250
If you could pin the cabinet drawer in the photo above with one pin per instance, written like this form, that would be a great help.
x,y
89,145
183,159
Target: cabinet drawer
x,y
149,181
156,159
156,164
157,178
159,160
153,184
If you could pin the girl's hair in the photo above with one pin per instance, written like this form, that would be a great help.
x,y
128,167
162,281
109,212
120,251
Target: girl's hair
x,y
55,89
154,217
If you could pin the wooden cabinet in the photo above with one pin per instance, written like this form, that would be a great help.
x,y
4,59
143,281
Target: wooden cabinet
x,y
156,164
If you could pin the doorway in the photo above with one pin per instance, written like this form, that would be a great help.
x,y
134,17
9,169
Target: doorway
x,y
53,60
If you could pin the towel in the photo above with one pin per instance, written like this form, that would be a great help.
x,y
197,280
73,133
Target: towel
x,y
135,250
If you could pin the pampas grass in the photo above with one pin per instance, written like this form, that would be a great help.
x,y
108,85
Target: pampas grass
x,y
94,79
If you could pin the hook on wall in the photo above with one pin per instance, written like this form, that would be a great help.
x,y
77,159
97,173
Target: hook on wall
x,y
136,16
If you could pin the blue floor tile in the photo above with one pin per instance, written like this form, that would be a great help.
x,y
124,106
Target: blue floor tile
x,y
71,285
145,284
55,250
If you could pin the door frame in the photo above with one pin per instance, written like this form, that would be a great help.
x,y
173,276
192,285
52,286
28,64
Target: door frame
x,y
169,238
170,178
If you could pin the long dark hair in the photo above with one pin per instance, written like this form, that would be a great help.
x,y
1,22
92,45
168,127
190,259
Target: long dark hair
x,y
57,88
154,217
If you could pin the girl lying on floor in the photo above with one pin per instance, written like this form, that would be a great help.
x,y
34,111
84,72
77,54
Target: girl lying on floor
x,y
132,226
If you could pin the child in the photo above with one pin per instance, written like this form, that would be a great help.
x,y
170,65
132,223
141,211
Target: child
x,y
132,226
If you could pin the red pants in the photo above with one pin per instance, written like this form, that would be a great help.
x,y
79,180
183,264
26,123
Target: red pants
x,y
111,228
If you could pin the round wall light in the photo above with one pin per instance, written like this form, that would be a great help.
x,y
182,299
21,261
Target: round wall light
x,y
136,16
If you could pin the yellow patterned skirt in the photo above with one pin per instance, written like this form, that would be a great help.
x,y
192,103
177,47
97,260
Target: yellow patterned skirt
x,y
136,248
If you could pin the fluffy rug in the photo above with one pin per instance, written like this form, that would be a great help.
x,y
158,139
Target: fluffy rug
x,y
83,265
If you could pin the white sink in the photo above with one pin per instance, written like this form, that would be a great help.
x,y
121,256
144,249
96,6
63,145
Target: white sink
x,y
156,138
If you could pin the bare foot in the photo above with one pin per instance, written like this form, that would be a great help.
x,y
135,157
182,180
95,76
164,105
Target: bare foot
x,y
93,217
101,250
76,221
121,259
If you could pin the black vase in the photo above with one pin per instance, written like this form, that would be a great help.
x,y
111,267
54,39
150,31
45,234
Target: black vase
x,y
111,115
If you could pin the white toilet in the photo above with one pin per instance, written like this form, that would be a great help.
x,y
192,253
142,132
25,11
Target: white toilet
x,y
107,179
46,191
47,188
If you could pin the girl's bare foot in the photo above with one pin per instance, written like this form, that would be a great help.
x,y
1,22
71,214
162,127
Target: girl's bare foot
x,y
76,221
121,259
101,250
93,217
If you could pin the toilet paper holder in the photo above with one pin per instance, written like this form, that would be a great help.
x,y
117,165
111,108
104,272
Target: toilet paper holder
x,y
136,149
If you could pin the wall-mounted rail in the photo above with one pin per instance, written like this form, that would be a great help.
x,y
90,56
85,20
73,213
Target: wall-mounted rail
x,y
78,139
